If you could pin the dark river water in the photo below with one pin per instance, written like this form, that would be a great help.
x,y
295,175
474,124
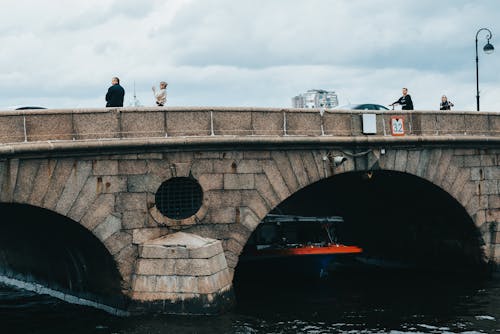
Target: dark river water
x,y
351,303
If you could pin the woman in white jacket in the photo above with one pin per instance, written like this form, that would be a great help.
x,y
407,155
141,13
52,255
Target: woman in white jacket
x,y
161,95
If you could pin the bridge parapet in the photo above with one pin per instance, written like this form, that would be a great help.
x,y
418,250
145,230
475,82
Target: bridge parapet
x,y
127,123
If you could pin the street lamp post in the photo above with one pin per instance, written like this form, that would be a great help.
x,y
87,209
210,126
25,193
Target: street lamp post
x,y
488,48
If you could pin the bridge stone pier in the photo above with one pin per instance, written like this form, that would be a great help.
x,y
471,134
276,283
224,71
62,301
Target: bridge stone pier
x,y
103,170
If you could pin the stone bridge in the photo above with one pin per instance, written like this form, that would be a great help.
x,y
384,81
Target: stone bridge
x,y
94,201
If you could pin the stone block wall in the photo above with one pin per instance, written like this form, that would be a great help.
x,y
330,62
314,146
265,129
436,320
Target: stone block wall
x,y
112,194
187,271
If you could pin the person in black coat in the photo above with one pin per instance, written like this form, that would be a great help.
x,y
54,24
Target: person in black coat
x,y
445,104
405,101
115,94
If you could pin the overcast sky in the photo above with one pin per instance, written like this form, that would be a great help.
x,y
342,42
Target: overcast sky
x,y
62,54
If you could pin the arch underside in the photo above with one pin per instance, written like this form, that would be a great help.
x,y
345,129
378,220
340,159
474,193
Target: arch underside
x,y
395,216
41,247
441,170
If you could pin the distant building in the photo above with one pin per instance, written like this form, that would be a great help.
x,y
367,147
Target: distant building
x,y
316,98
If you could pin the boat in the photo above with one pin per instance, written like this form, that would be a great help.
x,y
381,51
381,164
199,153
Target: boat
x,y
294,245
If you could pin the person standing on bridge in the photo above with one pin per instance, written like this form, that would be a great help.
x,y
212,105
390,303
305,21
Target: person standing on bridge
x,y
445,104
404,101
115,94
161,95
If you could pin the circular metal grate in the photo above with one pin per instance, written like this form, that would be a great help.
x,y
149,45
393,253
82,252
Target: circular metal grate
x,y
179,197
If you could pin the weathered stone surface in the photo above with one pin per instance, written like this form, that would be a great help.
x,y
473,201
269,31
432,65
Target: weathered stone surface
x,y
9,177
96,125
167,284
303,123
488,187
188,123
143,124
223,215
211,182
126,259
297,164
257,155
140,236
335,124
310,167
118,241
494,202
239,181
232,123
225,165
105,167
131,201
180,264
110,226
102,207
253,200
49,127
249,166
134,219
207,251
248,218
442,167
73,186
265,189
41,181
428,125
400,160
25,178
423,163
11,129
196,246
90,191
223,198
201,167
476,124
267,123
131,167
164,266
144,283
143,183
284,166
58,180
459,182
152,251
451,124
276,180
111,184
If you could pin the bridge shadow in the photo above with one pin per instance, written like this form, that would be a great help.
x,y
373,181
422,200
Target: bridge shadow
x,y
406,226
43,251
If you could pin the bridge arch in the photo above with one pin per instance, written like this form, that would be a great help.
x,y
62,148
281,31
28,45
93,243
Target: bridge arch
x,y
83,191
39,247
288,173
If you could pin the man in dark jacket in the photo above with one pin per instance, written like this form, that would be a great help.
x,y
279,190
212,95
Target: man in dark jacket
x,y
115,94
405,101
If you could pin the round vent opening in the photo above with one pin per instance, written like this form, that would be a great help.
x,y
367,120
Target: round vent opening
x,y
179,197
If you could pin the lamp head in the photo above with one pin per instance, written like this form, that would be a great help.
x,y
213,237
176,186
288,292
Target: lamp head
x,y
488,48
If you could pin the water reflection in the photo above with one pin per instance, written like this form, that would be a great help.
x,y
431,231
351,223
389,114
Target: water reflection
x,y
388,303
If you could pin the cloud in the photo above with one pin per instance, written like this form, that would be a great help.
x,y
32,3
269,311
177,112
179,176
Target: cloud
x,y
250,53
